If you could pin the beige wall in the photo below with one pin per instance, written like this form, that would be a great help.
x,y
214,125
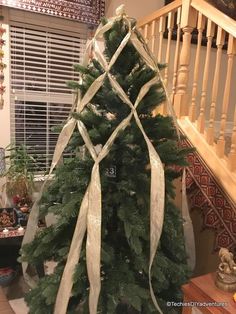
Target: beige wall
x,y
134,8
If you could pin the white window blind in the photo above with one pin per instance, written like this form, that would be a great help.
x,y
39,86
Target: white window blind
x,y
42,60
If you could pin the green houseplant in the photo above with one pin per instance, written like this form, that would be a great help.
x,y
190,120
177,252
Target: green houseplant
x,y
20,176
19,188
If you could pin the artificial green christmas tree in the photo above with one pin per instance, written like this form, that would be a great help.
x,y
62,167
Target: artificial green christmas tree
x,y
125,182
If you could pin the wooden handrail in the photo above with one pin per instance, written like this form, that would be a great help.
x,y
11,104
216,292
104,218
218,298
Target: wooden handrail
x,y
160,12
216,16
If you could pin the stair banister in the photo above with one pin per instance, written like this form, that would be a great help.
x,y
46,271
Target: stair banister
x,y
216,16
202,85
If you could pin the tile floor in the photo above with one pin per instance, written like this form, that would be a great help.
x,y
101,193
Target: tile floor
x,y
15,293
16,290
19,306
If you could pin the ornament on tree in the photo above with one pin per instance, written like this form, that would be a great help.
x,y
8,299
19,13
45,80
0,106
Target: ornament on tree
x,y
102,224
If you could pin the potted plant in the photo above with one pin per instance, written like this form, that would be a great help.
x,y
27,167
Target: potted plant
x,y
20,178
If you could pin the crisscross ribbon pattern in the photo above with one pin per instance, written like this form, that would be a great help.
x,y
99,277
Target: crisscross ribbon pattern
x,y
90,212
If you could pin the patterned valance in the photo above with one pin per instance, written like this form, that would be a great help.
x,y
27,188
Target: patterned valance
x,y
86,11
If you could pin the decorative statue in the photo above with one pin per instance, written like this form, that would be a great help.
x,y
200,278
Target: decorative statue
x,y
226,273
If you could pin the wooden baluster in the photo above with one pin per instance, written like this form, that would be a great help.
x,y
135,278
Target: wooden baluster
x,y
170,24
232,153
162,24
146,33
141,30
200,27
188,22
220,148
219,43
153,47
176,60
153,36
201,118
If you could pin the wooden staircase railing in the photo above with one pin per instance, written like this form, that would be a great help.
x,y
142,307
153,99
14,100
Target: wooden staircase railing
x,y
198,44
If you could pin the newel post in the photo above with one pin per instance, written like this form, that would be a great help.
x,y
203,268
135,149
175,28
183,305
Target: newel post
x,y
188,22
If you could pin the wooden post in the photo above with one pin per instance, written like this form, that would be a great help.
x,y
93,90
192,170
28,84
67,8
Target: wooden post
x,y
162,24
219,43
146,33
200,27
188,22
153,36
141,30
220,148
170,24
176,60
232,154
201,118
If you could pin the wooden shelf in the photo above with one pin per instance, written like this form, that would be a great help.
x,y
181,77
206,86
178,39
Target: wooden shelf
x,y
12,233
202,289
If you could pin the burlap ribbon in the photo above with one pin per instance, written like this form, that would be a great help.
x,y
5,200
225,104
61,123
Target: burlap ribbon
x,y
187,222
32,223
90,212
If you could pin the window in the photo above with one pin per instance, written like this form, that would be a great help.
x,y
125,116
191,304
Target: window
x,y
42,60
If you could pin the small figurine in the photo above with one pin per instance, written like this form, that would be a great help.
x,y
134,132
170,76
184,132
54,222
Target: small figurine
x,y
226,273
21,217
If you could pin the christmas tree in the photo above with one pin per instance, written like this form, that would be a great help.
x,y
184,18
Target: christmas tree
x,y
125,182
